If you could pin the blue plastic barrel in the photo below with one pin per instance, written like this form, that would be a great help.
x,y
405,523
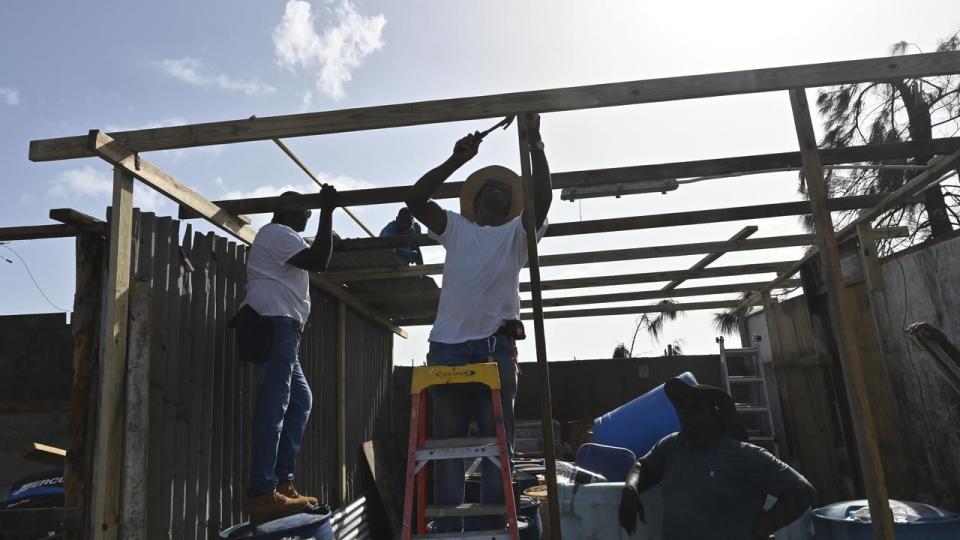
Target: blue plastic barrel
x,y
639,424
530,511
912,521
612,462
297,526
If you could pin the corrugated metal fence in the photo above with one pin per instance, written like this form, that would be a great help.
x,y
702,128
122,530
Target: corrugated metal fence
x,y
193,419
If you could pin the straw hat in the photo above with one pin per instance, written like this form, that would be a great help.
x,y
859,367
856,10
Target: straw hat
x,y
478,179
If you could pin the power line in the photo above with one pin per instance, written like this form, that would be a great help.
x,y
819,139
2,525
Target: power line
x,y
29,273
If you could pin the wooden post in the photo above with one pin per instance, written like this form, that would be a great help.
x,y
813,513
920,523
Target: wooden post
x,y
86,323
137,423
341,400
858,394
546,400
108,449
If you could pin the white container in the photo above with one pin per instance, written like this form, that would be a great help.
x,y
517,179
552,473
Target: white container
x,y
591,512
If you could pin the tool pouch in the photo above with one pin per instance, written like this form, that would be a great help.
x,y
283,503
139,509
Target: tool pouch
x,y
513,329
254,335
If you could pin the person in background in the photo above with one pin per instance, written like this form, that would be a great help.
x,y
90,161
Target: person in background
x,y
478,317
269,325
714,483
404,225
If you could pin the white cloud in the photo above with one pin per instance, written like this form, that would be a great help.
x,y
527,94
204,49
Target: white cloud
x,y
333,55
84,182
10,96
193,72
306,101
88,182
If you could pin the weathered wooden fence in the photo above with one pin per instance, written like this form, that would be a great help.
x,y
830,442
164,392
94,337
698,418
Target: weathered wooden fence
x,y
919,284
189,400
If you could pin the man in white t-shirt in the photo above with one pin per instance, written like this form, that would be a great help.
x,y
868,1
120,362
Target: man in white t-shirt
x,y
276,307
479,309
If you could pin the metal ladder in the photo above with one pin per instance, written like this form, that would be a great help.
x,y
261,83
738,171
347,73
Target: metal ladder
x,y
752,376
421,451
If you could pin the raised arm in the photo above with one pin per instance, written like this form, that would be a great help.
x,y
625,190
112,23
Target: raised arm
x,y
542,184
316,257
418,198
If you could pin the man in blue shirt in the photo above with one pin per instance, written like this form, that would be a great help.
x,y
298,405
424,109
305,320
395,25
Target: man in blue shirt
x,y
404,225
714,483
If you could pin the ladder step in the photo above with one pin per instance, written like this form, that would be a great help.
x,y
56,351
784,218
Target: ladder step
x,y
459,443
744,379
466,509
472,535
473,447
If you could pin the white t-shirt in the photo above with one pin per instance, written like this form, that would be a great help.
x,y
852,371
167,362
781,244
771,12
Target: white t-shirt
x,y
273,286
481,277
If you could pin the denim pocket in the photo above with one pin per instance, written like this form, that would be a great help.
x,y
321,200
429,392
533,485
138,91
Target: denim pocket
x,y
254,335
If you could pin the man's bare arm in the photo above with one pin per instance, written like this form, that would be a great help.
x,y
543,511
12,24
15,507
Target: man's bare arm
x,y
418,198
316,257
542,183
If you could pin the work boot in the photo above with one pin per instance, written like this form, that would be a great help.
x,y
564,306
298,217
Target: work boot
x,y
286,489
275,505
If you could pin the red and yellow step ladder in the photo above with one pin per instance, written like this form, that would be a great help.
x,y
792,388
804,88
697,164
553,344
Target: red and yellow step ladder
x,y
421,451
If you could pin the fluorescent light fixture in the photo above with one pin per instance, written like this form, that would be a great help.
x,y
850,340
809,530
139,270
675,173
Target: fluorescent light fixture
x,y
617,190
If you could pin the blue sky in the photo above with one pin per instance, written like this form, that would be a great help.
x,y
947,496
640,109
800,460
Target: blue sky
x,y
68,67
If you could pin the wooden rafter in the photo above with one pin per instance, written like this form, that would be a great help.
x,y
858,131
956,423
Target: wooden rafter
x,y
590,257
742,234
493,106
621,175
652,221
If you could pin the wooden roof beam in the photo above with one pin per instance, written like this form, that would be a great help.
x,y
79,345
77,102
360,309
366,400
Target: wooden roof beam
x,y
588,257
496,106
109,150
623,175
742,234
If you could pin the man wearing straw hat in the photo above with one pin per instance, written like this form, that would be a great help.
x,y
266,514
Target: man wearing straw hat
x,y
478,317
714,482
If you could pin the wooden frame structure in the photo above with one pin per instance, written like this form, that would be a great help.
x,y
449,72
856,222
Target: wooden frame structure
x,y
122,149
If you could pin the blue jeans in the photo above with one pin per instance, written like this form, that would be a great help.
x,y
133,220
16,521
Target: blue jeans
x,y
453,407
281,410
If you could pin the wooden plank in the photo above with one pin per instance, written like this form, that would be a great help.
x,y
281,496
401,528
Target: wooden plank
x,y
105,492
37,232
209,364
342,401
199,364
496,106
653,277
133,505
652,221
533,262
858,395
601,312
105,147
622,175
162,420
43,453
183,384
218,370
85,324
653,295
69,216
39,520
233,441
742,234
590,257
109,150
